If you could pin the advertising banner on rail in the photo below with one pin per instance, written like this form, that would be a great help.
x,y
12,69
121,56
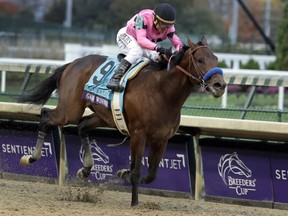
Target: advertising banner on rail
x,y
235,172
173,174
279,174
16,143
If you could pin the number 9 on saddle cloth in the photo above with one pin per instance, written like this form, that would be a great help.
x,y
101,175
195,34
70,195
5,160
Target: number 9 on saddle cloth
x,y
96,92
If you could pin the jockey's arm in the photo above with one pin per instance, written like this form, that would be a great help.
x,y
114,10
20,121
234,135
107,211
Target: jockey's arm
x,y
175,40
143,41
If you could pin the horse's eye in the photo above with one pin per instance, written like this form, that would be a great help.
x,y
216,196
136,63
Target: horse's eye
x,y
200,61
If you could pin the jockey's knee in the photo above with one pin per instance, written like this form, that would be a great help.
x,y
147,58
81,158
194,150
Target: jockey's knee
x,y
134,55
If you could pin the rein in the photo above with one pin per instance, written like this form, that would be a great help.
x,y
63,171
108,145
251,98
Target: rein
x,y
200,74
187,73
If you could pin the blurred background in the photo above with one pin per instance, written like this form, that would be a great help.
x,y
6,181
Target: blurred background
x,y
39,29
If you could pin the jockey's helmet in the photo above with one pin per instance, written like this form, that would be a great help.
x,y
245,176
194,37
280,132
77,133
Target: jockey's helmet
x,y
165,14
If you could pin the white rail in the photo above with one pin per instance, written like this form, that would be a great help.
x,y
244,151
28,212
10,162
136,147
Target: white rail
x,y
73,51
231,76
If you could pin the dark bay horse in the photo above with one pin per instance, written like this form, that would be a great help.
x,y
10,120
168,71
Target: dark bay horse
x,y
152,104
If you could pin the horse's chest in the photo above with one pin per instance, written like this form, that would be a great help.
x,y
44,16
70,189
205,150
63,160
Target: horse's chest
x,y
163,129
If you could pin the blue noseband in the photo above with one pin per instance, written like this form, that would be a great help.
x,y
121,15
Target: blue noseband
x,y
211,72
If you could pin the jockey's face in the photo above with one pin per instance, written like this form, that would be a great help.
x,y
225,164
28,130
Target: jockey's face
x,y
161,27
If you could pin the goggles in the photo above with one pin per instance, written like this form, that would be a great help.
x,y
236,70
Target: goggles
x,y
163,21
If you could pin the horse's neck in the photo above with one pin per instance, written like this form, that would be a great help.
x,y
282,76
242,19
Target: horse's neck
x,y
176,86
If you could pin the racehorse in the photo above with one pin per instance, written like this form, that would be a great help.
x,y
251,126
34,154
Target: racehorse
x,y
152,105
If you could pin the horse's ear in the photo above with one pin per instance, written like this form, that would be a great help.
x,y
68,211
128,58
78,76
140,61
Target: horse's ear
x,y
204,41
191,44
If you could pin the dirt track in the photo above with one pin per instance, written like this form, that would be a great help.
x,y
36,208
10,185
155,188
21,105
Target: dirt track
x,y
27,198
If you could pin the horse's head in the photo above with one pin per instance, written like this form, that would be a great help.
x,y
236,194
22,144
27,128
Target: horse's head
x,y
200,64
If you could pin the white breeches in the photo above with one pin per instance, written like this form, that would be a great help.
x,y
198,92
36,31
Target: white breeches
x,y
132,49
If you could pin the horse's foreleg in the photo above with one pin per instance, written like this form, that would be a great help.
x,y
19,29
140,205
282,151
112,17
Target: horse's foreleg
x,y
135,180
155,155
43,129
86,124
137,144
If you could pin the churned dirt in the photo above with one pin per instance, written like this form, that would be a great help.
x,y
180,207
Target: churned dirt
x,y
41,199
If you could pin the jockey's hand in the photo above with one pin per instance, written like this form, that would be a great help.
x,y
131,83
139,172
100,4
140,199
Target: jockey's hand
x,y
164,51
175,53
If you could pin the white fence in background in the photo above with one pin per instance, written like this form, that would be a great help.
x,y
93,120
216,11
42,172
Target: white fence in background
x,y
73,51
232,75
234,60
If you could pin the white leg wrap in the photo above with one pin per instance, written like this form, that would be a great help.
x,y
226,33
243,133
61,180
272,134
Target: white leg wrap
x,y
36,154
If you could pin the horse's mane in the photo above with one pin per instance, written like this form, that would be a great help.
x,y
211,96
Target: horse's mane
x,y
177,56
175,59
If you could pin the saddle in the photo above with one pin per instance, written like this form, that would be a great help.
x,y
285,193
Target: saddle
x,y
96,92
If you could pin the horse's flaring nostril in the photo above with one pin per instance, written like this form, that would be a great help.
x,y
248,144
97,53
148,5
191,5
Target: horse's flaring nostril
x,y
217,85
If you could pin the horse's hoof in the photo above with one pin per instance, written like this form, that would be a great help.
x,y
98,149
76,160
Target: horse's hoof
x,y
120,173
82,174
25,160
133,204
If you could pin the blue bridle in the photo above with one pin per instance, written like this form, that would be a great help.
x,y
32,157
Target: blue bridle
x,y
202,78
211,72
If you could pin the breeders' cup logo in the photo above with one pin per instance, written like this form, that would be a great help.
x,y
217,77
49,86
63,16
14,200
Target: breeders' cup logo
x,y
236,174
101,168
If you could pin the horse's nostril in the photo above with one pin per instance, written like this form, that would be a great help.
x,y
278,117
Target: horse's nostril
x,y
218,85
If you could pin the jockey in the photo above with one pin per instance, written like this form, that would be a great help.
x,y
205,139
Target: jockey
x,y
138,39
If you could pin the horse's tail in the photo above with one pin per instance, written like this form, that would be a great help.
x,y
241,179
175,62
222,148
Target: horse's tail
x,y
42,92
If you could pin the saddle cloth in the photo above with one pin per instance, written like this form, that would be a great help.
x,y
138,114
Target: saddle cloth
x,y
96,92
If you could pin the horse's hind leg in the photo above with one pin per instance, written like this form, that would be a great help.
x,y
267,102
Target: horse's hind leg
x,y
50,118
86,124
155,155
44,127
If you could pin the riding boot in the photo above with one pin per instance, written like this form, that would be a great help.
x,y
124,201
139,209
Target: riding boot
x,y
114,82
